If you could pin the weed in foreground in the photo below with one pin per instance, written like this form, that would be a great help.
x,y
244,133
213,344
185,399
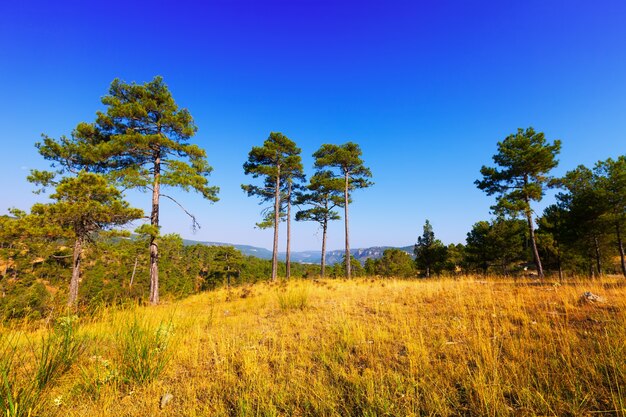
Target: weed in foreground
x,y
144,351
26,376
293,299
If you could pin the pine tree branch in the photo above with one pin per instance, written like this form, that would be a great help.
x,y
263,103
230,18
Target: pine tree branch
x,y
194,223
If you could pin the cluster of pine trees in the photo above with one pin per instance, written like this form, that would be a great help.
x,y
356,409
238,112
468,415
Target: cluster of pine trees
x,y
142,141
579,234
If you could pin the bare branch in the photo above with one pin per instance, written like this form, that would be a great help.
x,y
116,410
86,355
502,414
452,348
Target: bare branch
x,y
194,223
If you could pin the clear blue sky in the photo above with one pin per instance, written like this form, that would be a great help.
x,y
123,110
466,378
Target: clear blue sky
x,y
426,88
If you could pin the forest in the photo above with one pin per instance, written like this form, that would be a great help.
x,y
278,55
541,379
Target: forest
x,y
78,250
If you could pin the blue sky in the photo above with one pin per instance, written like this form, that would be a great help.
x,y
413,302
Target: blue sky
x,y
426,88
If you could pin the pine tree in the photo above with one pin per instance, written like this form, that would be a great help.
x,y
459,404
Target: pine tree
x,y
611,179
346,160
430,253
142,142
523,161
84,205
323,195
278,162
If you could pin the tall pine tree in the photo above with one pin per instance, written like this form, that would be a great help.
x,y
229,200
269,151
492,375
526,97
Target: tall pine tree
x,y
347,164
523,162
322,195
278,162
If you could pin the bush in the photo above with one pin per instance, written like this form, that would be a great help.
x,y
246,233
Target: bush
x,y
143,351
22,393
25,299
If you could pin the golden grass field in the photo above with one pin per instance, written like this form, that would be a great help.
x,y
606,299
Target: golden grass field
x,y
366,347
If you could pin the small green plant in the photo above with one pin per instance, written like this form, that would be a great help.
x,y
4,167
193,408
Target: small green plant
x,y
95,377
293,299
22,392
58,351
144,351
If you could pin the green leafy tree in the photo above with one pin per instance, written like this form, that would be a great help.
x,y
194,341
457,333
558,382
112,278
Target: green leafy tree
x,y
278,161
142,141
347,164
523,161
322,195
478,247
552,235
371,266
611,179
84,205
455,255
430,253
586,227
339,269
395,263
498,244
228,261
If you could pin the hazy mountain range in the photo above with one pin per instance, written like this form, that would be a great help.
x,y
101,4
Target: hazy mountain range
x,y
310,256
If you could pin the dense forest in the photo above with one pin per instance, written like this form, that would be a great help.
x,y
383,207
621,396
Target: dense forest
x,y
72,252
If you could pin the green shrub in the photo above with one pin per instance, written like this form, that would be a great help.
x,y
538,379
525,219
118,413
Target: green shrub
x,y
143,351
22,393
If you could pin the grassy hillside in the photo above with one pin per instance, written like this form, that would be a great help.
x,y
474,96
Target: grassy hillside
x,y
337,348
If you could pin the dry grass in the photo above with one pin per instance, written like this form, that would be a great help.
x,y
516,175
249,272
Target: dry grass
x,y
363,348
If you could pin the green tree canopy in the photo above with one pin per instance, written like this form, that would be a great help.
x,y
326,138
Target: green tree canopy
x,y
345,162
277,162
322,196
523,162
142,141
395,263
84,205
430,253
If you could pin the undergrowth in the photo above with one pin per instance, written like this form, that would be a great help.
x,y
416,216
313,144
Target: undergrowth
x,y
334,348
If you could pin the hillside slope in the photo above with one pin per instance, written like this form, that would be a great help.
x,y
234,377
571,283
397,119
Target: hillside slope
x,y
349,348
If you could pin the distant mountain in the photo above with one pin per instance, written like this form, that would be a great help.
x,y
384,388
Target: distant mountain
x,y
311,256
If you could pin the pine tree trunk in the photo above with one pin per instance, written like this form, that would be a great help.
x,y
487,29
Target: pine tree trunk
x,y
276,221
154,222
620,246
346,197
596,245
324,229
132,277
288,254
533,240
77,255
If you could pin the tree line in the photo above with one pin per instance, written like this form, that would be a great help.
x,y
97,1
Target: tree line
x,y
142,140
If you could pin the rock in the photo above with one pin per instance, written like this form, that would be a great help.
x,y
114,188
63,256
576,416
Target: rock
x,y
591,298
165,399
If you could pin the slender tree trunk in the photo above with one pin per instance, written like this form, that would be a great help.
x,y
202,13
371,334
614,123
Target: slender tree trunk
x,y
533,240
288,254
346,197
276,221
428,272
620,246
132,277
154,222
78,252
596,245
560,264
324,229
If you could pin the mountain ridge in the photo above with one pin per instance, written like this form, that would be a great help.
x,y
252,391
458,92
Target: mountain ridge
x,y
309,256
